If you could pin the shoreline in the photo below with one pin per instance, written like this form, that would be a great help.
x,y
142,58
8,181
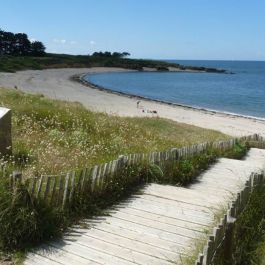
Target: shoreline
x,y
80,79
59,84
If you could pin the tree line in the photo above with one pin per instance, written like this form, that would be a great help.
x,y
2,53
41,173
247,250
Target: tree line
x,y
18,44
111,55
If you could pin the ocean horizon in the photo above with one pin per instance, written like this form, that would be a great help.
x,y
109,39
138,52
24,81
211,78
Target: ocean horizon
x,y
240,93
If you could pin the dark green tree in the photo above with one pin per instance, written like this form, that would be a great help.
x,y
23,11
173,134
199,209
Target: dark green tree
x,y
22,45
37,48
125,54
19,45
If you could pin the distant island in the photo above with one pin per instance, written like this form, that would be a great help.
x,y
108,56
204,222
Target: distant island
x,y
17,52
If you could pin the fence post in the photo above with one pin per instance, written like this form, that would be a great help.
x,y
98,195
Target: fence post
x,y
228,244
40,186
66,190
94,177
72,187
60,192
47,190
53,190
33,186
17,177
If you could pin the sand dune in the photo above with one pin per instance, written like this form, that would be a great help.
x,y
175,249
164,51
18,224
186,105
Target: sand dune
x,y
57,84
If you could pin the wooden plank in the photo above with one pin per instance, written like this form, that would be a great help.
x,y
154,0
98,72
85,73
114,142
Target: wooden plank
x,y
145,230
58,253
53,190
164,206
72,188
36,259
88,253
60,192
134,236
186,199
82,180
47,188
66,190
176,203
153,254
39,187
179,191
156,224
126,249
34,182
163,219
170,212
94,177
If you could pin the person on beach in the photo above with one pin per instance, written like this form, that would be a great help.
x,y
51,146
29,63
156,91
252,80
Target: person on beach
x,y
138,103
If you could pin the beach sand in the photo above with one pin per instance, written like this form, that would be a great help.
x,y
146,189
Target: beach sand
x,y
57,84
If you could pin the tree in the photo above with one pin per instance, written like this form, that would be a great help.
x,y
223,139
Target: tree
x,y
116,54
21,44
18,44
7,40
125,54
111,55
37,48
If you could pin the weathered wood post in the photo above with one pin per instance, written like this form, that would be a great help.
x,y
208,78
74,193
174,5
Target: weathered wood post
x,y
16,178
5,131
229,230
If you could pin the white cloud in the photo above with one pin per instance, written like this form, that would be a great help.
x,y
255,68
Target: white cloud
x,y
62,41
32,40
92,42
73,42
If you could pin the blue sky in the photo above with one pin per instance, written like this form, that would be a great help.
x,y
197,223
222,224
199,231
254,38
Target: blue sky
x,y
159,29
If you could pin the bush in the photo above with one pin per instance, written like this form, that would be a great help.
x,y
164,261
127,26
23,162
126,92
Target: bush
x,y
24,220
250,230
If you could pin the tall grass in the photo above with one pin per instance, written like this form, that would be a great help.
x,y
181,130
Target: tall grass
x,y
248,244
50,137
30,221
15,63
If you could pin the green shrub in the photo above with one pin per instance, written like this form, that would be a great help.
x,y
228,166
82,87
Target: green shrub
x,y
24,220
250,230
237,152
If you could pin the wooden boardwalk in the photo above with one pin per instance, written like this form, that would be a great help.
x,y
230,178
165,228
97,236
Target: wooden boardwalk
x,y
157,226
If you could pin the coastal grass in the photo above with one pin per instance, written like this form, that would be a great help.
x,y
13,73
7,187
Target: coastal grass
x,y
16,63
198,244
32,220
248,238
53,137
51,60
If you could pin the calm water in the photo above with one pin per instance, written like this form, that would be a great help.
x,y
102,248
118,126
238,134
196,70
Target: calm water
x,y
241,93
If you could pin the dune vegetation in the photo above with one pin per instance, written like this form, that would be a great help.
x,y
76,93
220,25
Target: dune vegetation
x,y
51,137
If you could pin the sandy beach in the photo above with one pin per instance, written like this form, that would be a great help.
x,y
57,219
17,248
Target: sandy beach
x,y
58,84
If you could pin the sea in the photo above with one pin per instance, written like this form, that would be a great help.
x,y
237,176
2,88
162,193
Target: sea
x,y
242,92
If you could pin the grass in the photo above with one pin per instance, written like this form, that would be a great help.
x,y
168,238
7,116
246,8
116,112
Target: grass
x,y
249,232
16,63
248,236
52,137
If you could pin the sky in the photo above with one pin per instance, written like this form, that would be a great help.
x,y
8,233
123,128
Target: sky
x,y
157,29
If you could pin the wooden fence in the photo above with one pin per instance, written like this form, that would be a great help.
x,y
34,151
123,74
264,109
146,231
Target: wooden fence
x,y
222,232
59,190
